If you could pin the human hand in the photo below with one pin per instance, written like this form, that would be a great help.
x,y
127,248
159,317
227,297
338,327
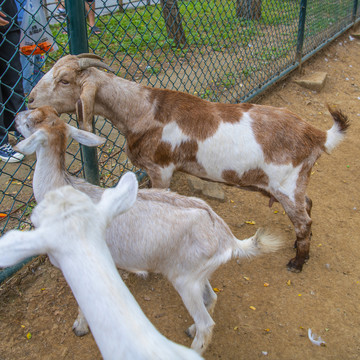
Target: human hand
x,y
3,22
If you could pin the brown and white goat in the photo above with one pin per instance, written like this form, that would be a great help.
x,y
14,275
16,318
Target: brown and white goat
x,y
180,237
261,148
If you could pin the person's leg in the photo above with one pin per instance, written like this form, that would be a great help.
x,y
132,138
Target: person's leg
x,y
12,93
90,11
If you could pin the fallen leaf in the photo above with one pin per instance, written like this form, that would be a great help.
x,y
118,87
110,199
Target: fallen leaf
x,y
246,278
252,307
217,290
266,284
2,215
288,282
250,222
28,335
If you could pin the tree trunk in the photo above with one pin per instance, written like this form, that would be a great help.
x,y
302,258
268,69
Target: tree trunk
x,y
121,6
248,9
173,21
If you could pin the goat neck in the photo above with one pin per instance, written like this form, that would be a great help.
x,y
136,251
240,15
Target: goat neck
x,y
125,102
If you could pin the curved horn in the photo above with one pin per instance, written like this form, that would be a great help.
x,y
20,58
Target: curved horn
x,y
86,62
89,56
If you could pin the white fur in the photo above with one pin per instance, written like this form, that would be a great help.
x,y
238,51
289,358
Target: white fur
x,y
71,230
239,150
172,134
334,137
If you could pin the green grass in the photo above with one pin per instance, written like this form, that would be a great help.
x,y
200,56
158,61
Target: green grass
x,y
205,23
209,25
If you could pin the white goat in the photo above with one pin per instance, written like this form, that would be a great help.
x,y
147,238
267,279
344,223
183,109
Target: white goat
x,y
261,148
75,243
180,237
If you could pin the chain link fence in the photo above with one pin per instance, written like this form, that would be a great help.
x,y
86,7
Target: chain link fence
x,y
219,50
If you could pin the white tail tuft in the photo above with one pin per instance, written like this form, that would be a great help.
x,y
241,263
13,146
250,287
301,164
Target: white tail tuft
x,y
261,243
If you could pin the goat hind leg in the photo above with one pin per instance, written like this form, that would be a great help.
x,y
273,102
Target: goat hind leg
x,y
302,225
191,294
299,216
209,298
308,207
80,326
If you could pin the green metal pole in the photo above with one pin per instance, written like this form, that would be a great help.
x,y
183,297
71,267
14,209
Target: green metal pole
x,y
78,41
301,31
355,10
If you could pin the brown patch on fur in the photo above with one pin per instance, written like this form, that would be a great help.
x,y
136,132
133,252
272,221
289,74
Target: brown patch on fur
x,y
197,118
284,137
47,118
253,177
183,157
142,143
232,113
163,154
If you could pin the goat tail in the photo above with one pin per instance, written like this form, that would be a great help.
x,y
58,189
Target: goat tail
x,y
337,133
261,243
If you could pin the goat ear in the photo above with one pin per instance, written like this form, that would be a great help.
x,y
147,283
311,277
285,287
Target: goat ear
x,y
16,246
85,106
30,144
119,199
85,137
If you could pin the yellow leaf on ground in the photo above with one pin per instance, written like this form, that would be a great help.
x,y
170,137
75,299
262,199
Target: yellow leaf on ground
x,y
252,307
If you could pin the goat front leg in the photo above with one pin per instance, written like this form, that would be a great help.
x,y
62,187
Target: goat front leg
x,y
80,326
161,176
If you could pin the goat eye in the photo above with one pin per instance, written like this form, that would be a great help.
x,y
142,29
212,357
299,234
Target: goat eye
x,y
64,82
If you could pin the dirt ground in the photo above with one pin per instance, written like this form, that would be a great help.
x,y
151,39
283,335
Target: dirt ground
x,y
253,320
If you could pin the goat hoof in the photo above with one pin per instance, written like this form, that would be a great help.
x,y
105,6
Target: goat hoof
x,y
190,332
294,266
80,330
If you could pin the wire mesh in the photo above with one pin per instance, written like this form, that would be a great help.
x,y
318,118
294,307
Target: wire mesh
x,y
219,50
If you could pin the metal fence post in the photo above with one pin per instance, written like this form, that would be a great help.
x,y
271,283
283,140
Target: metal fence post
x,y
355,11
78,42
301,30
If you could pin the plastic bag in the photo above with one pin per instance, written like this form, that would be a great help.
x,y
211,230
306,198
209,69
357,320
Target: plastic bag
x,y
36,35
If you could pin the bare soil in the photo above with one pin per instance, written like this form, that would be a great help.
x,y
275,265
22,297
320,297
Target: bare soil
x,y
253,320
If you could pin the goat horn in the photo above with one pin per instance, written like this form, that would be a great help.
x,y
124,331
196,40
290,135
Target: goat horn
x,y
86,63
89,56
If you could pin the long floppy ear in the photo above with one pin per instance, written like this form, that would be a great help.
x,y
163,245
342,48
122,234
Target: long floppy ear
x,y
30,144
85,106
85,137
119,199
16,246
